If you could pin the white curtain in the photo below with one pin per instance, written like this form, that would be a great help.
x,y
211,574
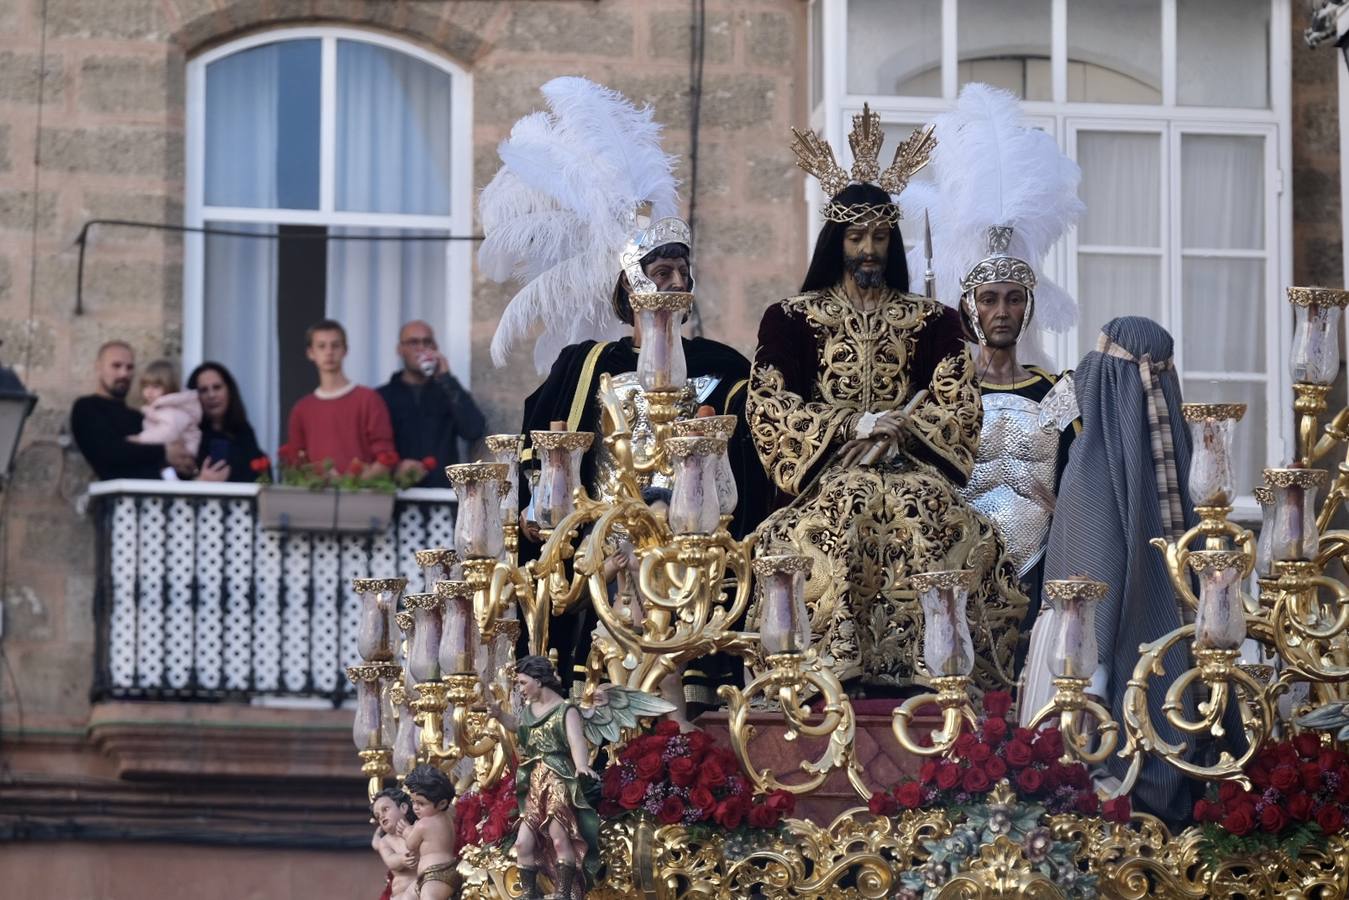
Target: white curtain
x,y
243,97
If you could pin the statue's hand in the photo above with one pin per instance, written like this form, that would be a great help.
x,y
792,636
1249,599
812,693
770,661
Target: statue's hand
x,y
586,770
851,452
892,425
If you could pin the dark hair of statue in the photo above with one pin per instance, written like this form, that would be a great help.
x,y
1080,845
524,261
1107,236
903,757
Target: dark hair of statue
x,y
542,671
826,266
401,802
622,308
236,417
430,783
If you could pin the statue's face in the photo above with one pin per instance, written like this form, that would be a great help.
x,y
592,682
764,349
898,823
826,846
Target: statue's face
x,y
1001,307
387,814
528,687
669,274
865,247
424,808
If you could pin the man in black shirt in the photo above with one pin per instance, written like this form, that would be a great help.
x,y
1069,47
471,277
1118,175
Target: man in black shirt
x,y
431,412
101,422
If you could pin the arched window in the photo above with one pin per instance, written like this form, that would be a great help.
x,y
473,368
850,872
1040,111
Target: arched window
x,y
303,143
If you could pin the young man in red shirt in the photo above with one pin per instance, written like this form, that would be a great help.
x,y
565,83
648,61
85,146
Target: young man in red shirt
x,y
340,421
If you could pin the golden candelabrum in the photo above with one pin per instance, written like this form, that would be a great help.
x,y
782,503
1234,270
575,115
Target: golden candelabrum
x,y
670,586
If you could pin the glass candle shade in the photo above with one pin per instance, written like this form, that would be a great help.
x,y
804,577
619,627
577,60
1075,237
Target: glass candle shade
x,y
1220,620
1316,340
388,721
1294,534
424,644
437,564
477,522
1073,648
409,628
784,625
660,360
948,648
694,505
379,605
505,450
459,630
559,473
405,742
1212,427
1264,558
718,427
365,728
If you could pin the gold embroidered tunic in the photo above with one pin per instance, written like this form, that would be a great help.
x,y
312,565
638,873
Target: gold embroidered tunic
x,y
820,365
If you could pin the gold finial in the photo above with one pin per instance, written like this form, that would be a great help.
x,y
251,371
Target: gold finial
x,y
816,157
865,139
910,156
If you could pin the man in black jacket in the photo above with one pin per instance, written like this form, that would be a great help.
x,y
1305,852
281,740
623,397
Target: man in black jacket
x,y
101,422
431,412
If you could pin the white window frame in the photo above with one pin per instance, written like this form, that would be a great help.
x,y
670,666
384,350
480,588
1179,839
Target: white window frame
x,y
832,117
455,329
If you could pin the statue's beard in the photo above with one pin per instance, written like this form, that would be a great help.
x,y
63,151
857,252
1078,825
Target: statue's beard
x,y
865,278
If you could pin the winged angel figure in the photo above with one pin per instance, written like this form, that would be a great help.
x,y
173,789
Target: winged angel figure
x,y
558,831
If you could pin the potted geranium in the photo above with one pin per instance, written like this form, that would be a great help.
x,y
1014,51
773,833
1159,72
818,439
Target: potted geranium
x,y
319,496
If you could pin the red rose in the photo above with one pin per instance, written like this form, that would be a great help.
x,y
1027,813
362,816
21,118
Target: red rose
x,y
610,809
698,741
997,703
388,459
909,795
1030,780
611,782
882,804
1087,803
1074,774
632,796
948,776
1229,791
1117,810
666,728
1329,760
980,753
761,816
260,464
781,802
928,773
647,743
1310,774
995,768
1053,778
1024,735
730,813
671,810
701,800
1300,807
965,743
712,773
683,771
1285,778
976,780
995,730
355,467
1240,820
1019,754
428,462
1329,818
1048,745
650,767
1259,776
1307,745
1204,811
1272,818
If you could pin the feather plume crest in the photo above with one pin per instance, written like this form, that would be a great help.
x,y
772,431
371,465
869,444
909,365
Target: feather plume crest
x,y
559,211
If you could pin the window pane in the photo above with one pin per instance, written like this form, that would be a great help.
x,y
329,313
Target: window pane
x,y
1222,192
393,132
1121,186
894,49
262,127
1110,286
1115,51
816,53
1250,450
1224,314
1006,45
1223,53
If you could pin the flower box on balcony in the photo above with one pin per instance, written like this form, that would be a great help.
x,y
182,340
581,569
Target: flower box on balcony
x,y
329,509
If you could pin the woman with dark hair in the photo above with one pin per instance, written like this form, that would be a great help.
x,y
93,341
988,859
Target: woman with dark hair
x,y
228,444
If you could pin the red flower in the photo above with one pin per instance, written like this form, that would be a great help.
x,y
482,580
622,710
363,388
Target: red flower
x,y
288,454
1285,778
1087,803
1329,760
1307,744
762,817
1204,811
260,464
882,804
1273,818
428,462
701,799
632,796
1259,776
712,774
909,795
1240,820
948,776
1229,791
1300,807
1030,780
1329,818
355,467
730,813
666,728
980,753
647,743
1310,773
928,773
610,809
995,730
1024,735
698,741
1019,754
650,767
781,802
671,810
493,831
388,459
611,782
965,743
1117,810
995,768
997,703
1048,745
682,771
976,780
1075,774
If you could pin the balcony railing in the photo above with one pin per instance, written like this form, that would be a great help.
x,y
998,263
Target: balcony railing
x,y
196,601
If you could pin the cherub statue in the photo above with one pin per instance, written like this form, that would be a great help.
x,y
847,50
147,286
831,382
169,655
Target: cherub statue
x,y
430,842
393,814
558,830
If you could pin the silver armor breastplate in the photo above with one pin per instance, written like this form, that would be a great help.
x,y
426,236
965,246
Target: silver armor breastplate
x,y
1013,478
635,408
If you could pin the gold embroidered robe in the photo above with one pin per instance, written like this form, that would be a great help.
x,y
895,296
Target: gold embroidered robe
x,y
820,365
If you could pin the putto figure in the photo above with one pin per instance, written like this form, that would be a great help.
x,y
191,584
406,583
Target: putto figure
x,y
430,842
865,412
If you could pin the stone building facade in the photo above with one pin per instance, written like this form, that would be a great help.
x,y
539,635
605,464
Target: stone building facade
x,y
264,802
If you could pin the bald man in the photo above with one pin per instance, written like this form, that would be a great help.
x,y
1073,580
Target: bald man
x,y
430,410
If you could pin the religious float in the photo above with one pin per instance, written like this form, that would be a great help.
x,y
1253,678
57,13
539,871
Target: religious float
x,y
791,791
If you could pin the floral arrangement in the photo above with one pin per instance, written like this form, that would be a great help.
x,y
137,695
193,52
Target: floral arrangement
x,y
1299,794
297,470
486,816
687,779
996,750
1000,816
